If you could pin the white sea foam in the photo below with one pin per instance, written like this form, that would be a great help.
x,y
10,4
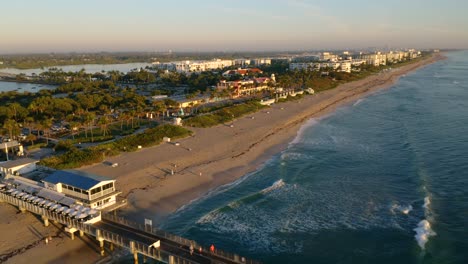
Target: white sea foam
x,y
288,155
423,232
237,203
402,209
358,102
301,130
427,203
276,185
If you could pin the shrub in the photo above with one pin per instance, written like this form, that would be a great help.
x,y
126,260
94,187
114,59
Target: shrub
x,y
223,115
74,158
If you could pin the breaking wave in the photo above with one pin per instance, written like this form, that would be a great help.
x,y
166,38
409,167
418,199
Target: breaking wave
x,y
238,203
358,102
301,131
402,209
424,230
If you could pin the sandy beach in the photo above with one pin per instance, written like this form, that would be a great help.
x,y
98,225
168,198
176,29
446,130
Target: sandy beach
x,y
212,157
216,156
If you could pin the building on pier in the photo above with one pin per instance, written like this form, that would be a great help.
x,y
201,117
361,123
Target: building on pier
x,y
89,189
17,167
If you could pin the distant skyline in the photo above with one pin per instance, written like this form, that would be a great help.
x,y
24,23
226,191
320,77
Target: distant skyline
x,y
221,25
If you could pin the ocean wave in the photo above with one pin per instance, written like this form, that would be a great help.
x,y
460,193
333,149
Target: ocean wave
x,y
289,155
304,127
424,230
238,203
358,102
427,203
402,209
261,220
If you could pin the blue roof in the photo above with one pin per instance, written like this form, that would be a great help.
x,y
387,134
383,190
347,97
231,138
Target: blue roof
x,y
78,179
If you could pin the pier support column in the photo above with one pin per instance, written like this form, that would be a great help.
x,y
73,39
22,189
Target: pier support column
x,y
46,221
101,245
72,231
81,233
111,246
144,259
135,257
171,259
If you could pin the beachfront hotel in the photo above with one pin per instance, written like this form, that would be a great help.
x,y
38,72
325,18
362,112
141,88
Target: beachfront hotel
x,y
346,62
247,86
194,66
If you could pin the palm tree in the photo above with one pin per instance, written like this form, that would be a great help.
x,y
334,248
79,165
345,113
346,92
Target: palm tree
x,y
29,123
89,120
103,122
73,127
12,127
46,124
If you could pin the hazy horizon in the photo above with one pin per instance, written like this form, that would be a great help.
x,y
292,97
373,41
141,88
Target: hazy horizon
x,y
226,26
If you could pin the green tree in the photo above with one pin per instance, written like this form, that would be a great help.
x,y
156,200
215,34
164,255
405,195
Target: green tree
x,y
12,127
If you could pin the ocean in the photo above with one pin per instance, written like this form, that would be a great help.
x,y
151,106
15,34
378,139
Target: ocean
x,y
382,180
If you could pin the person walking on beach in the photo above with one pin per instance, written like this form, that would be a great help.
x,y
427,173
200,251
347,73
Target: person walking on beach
x,y
212,249
200,249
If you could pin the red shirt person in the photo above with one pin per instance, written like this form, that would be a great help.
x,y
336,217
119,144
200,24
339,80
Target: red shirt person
x,y
212,248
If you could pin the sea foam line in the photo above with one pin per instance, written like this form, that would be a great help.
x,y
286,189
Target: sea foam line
x,y
424,230
300,132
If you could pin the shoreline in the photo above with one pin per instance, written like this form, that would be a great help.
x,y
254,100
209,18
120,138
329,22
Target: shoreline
x,y
223,154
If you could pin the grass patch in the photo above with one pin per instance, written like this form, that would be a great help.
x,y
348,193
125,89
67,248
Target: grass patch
x,y
223,115
75,158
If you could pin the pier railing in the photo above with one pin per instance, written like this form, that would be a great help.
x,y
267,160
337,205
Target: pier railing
x,y
177,239
99,233
134,246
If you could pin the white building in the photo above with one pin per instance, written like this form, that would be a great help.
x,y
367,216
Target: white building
x,y
261,61
328,56
193,66
344,66
376,59
17,167
90,190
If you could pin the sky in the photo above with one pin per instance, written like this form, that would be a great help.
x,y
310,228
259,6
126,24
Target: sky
x,y
226,25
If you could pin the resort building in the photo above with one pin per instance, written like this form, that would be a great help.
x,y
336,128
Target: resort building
x,y
194,66
247,86
190,102
260,61
328,56
90,190
376,59
344,66
241,72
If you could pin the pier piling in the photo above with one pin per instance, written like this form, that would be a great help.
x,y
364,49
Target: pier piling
x,y
46,221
